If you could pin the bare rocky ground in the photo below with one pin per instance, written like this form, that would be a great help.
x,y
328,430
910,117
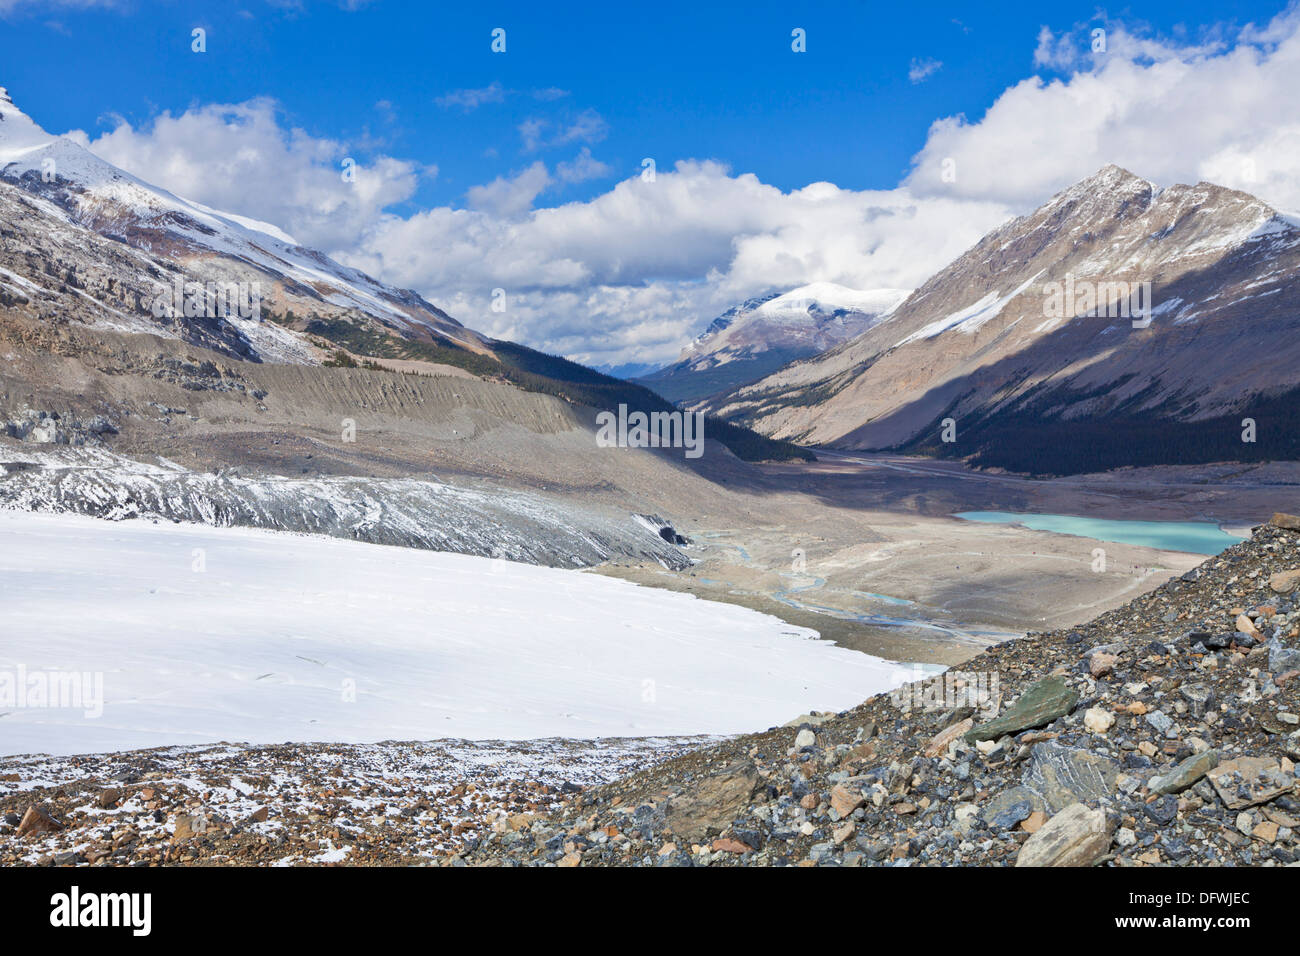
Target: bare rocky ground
x,y
1164,732
295,804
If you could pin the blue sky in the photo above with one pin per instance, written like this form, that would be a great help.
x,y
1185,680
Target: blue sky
x,y
669,80
587,92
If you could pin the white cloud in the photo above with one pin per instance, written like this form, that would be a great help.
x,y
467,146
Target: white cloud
x,y
922,69
549,94
582,168
587,127
530,131
508,196
1218,108
239,157
633,273
472,99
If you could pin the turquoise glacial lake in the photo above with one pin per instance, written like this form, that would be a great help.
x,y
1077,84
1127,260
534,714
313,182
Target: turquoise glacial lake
x,y
1197,537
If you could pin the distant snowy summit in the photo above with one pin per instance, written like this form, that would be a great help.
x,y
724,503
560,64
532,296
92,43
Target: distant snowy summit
x,y
90,242
764,333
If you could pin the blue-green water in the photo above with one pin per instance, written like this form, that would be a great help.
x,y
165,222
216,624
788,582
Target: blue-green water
x,y
1198,537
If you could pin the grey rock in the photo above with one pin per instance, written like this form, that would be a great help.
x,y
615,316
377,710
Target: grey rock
x,y
1199,698
1008,817
1159,721
1281,658
1065,775
713,803
1185,774
1040,704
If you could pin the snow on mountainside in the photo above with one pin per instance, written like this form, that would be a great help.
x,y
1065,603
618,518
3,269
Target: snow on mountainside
x,y
1025,331
764,333
52,190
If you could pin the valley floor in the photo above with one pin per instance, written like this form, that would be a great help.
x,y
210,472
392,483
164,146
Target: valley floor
x,y
203,636
864,548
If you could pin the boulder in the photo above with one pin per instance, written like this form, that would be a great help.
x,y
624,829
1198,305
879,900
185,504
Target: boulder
x,y
844,801
188,826
1098,720
37,822
1101,663
1066,775
939,743
1008,817
1247,781
813,719
1009,798
1077,836
1282,658
713,803
1184,774
1284,582
1199,698
1040,704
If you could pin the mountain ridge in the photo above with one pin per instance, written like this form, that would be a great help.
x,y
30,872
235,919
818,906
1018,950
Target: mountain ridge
x,y
92,245
765,332
977,342
60,184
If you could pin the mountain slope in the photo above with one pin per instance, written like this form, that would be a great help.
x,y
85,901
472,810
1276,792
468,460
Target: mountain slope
x,y
53,192
763,334
85,244
1027,374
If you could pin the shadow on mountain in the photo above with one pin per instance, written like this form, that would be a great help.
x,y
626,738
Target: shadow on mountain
x,y
1098,394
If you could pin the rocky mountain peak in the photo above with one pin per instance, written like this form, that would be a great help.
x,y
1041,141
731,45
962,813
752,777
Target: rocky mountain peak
x,y
765,332
1108,194
19,132
1212,270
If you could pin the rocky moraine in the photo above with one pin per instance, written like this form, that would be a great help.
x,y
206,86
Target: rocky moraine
x,y
1164,732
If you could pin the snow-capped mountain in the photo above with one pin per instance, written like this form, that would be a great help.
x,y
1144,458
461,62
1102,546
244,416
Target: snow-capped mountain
x,y
1026,340
89,242
762,334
